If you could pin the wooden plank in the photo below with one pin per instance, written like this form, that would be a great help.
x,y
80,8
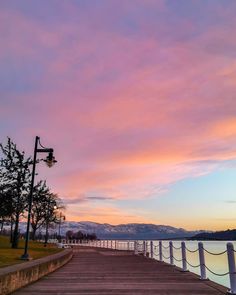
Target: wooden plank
x,y
99,271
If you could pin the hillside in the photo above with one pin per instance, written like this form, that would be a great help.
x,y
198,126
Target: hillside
x,y
124,231
227,235
121,231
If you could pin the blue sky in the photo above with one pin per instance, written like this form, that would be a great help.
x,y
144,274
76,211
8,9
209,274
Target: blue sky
x,y
136,97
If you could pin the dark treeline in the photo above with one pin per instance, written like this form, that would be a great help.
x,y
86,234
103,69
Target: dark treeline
x,y
15,179
80,236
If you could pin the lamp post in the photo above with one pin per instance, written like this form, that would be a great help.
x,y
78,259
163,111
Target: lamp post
x,y
49,211
50,161
61,217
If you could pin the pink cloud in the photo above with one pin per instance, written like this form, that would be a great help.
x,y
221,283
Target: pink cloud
x,y
127,116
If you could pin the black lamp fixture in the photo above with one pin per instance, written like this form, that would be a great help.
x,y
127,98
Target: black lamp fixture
x,y
50,161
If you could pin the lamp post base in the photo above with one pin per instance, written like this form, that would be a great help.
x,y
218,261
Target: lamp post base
x,y
26,257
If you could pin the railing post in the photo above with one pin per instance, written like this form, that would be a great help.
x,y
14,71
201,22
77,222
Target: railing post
x,y
171,253
160,251
115,244
232,268
128,245
144,248
135,247
202,261
151,249
147,254
184,260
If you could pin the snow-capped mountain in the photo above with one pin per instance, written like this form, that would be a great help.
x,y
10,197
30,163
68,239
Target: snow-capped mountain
x,y
121,231
127,231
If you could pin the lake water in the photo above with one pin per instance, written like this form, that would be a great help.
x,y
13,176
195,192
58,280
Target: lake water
x,y
218,264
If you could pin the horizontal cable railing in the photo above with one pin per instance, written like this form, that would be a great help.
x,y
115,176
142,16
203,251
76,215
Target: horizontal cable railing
x,y
177,248
217,274
216,254
192,251
193,266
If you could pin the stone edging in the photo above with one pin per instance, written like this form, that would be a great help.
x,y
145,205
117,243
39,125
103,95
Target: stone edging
x,y
16,276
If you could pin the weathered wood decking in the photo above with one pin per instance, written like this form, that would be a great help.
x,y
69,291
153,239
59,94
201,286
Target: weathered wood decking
x,y
103,271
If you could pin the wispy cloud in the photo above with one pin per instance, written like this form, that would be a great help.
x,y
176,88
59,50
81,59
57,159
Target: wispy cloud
x,y
230,201
133,97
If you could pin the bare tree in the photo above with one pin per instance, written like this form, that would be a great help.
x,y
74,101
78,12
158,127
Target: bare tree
x,y
40,202
15,174
52,214
5,204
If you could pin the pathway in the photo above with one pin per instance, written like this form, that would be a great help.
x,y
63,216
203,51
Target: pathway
x,y
94,271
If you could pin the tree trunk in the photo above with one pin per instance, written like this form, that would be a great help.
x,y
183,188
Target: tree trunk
x,y
2,223
33,232
16,234
11,236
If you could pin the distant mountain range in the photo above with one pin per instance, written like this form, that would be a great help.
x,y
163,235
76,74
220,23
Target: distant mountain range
x,y
227,235
124,231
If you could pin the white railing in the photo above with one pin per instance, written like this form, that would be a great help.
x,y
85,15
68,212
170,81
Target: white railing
x,y
148,249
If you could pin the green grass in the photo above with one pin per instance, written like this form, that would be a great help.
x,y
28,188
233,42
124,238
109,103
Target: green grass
x,y
10,256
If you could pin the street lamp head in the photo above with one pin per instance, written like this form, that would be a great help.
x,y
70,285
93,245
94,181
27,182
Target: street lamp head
x,y
50,160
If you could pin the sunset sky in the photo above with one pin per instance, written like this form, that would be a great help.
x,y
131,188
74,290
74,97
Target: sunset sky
x,y
138,99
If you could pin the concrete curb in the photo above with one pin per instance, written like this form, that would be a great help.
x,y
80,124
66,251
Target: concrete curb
x,y
16,276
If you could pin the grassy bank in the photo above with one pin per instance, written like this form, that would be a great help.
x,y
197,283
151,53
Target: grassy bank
x,y
10,256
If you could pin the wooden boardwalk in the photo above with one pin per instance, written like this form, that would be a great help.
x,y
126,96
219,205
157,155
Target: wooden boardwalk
x,y
103,271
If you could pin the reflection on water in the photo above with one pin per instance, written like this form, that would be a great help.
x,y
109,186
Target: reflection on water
x,y
218,264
